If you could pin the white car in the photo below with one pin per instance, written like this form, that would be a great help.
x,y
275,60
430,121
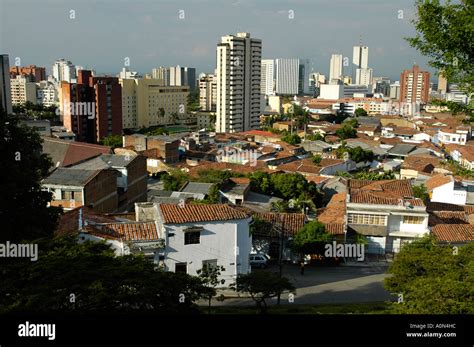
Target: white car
x,y
259,260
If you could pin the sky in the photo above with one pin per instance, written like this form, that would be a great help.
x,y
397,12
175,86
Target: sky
x,y
102,34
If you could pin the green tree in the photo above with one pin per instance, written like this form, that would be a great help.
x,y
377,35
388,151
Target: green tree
x,y
193,101
375,176
174,180
315,137
316,159
352,122
288,185
24,207
432,278
260,182
261,286
446,35
360,155
99,281
292,139
113,141
360,112
346,132
421,192
209,276
311,236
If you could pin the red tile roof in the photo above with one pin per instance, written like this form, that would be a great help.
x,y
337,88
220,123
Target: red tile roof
x,y
453,232
437,181
448,217
333,216
441,206
385,192
174,214
133,231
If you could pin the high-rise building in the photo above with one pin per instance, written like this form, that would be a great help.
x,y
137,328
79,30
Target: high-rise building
x,y
5,91
303,72
335,68
239,59
46,93
414,85
395,90
146,102
360,58
287,76
442,84
22,90
32,72
64,71
92,107
315,81
268,77
208,92
161,73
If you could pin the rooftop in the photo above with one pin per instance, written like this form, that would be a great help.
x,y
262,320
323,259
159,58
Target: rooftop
x,y
453,232
70,177
189,213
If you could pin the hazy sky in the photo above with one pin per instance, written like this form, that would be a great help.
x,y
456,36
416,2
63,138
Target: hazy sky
x,y
151,33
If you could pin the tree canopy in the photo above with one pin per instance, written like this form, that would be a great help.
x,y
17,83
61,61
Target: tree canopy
x,y
113,141
431,278
292,139
360,112
310,237
346,132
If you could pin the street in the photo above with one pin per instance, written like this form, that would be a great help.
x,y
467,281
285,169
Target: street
x,y
328,285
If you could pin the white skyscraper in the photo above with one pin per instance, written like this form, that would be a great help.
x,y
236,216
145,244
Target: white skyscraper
x,y
239,60
207,92
360,58
287,76
64,71
266,86
335,68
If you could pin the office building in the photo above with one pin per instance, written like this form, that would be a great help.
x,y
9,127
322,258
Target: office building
x,y
239,59
46,93
303,85
5,90
287,76
268,77
335,69
315,80
414,85
395,91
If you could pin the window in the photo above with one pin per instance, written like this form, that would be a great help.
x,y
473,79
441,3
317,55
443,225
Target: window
x,y
413,220
191,238
369,219
212,263
181,267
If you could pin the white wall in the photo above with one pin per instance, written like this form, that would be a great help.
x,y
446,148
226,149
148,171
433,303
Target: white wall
x,y
219,240
395,223
447,194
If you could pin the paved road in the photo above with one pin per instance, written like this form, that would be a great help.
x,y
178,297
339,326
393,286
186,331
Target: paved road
x,y
328,285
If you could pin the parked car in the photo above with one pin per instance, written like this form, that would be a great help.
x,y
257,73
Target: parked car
x,y
259,260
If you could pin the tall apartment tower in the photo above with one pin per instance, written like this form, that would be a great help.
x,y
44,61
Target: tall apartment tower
x,y
239,59
5,91
92,107
208,92
64,71
335,68
414,85
287,76
360,58
22,90
268,77
161,73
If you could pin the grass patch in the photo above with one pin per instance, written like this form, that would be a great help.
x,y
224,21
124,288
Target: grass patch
x,y
359,308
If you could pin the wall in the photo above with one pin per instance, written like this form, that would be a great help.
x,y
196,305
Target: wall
x,y
218,241
447,194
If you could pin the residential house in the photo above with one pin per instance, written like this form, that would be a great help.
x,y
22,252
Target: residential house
x,y
131,176
444,188
72,188
235,190
386,213
464,155
196,235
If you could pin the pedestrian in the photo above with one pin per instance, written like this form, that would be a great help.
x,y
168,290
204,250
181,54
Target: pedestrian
x,y
302,268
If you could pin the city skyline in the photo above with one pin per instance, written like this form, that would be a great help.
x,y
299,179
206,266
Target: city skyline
x,y
179,33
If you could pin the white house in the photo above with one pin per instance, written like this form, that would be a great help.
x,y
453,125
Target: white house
x,y
443,188
386,213
458,136
196,235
